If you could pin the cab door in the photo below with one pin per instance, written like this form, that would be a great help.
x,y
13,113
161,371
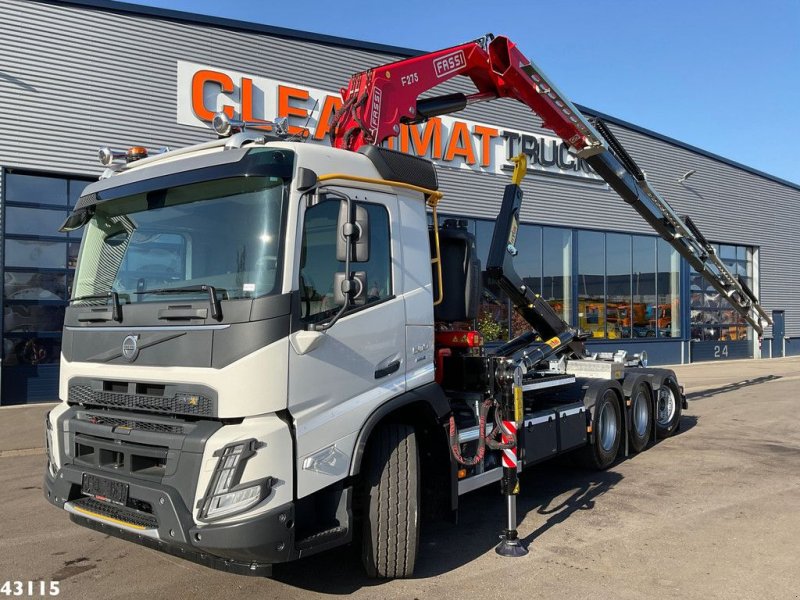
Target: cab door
x,y
358,363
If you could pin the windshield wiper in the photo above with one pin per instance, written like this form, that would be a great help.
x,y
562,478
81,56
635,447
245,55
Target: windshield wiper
x,y
116,307
216,308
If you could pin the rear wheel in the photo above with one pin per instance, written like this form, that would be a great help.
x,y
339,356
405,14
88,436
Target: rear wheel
x,y
668,409
602,452
641,417
391,520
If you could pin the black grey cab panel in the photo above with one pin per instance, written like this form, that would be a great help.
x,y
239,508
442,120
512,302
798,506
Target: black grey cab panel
x,y
175,347
184,342
196,311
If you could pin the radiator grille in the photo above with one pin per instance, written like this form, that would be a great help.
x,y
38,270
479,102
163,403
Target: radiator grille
x,y
133,424
182,404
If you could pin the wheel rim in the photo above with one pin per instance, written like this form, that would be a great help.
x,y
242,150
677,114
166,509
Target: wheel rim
x,y
641,412
608,426
666,405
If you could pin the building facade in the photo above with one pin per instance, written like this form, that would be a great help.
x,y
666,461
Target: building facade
x,y
78,75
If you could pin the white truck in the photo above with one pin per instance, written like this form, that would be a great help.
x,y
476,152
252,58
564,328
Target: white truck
x,y
268,353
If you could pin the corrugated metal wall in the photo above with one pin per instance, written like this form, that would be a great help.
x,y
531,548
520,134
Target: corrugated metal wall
x,y
2,250
2,224
74,78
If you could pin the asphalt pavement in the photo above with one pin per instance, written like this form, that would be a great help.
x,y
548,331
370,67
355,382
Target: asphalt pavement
x,y
713,512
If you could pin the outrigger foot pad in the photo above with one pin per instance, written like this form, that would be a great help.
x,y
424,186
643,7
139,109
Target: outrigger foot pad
x,y
511,545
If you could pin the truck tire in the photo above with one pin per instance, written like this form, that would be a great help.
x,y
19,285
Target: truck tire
x,y
668,408
601,452
392,499
641,417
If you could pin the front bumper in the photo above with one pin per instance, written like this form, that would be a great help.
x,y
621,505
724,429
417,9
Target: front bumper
x,y
247,547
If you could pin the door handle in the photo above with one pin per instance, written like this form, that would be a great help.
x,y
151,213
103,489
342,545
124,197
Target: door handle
x,y
388,369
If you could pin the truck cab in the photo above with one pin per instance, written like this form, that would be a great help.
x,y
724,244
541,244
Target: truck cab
x,y
226,346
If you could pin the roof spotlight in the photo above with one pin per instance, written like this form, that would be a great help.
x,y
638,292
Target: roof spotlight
x,y
226,126
222,124
108,156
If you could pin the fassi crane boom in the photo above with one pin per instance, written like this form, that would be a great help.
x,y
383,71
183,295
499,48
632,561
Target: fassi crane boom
x,y
378,100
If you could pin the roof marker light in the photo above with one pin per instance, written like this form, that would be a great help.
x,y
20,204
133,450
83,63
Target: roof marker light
x,y
135,153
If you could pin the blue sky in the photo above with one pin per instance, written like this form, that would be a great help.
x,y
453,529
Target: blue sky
x,y
720,75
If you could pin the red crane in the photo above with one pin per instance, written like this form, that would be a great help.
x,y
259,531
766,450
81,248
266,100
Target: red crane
x,y
376,101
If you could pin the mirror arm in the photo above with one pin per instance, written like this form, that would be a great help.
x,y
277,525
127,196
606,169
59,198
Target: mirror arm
x,y
346,305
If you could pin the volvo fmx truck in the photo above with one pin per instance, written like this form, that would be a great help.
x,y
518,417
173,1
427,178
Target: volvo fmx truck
x,y
269,352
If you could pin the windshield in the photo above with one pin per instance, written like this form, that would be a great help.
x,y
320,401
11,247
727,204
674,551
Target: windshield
x,y
224,233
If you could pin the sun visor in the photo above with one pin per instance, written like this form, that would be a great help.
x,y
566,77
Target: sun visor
x,y
153,177
398,166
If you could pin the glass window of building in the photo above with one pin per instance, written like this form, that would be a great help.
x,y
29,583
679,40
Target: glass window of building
x,y
646,317
668,289
713,318
628,286
494,315
528,265
483,238
31,188
557,270
37,274
34,221
591,283
618,285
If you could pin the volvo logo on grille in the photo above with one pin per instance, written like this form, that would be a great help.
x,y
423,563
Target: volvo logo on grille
x,y
130,347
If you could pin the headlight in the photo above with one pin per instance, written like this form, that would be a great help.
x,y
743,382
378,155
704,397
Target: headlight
x,y
224,496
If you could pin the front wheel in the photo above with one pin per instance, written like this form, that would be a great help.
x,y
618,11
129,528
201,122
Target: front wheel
x,y
392,499
668,409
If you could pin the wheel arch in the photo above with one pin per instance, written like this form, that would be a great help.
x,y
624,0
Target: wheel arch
x,y
596,387
596,393
428,410
629,385
657,378
632,380
426,405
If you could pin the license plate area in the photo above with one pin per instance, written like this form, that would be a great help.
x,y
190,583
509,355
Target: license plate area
x,y
105,489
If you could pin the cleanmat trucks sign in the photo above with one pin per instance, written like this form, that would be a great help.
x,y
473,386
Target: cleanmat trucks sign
x,y
453,143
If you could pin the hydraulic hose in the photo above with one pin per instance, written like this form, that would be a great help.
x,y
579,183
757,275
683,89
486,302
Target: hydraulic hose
x,y
484,440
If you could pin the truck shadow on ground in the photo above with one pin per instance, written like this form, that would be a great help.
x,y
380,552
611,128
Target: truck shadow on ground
x,y
731,387
554,491
688,423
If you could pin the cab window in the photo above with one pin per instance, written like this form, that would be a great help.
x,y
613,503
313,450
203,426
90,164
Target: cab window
x,y
318,263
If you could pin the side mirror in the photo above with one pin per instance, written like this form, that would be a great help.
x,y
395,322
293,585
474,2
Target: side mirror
x,y
356,230
355,288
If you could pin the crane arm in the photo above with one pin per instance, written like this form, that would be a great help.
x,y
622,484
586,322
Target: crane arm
x,y
377,101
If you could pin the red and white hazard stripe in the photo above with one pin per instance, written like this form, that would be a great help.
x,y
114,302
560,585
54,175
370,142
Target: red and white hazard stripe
x,y
509,454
